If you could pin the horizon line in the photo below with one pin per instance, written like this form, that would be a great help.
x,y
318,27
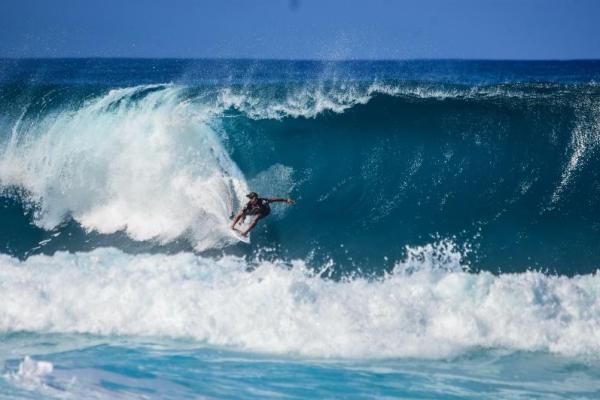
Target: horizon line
x,y
299,59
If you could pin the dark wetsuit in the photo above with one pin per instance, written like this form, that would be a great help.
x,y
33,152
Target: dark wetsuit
x,y
261,207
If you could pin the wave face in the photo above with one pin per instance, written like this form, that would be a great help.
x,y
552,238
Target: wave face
x,y
499,157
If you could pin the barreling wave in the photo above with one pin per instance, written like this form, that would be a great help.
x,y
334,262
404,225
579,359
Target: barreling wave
x,y
375,165
429,306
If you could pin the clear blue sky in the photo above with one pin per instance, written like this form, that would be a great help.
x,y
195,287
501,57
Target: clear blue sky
x,y
322,29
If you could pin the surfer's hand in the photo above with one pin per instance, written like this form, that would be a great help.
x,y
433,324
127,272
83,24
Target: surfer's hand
x,y
289,201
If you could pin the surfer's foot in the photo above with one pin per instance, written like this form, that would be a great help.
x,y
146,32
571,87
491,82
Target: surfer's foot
x,y
240,232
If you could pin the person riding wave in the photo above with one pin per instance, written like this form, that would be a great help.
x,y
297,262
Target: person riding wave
x,y
256,206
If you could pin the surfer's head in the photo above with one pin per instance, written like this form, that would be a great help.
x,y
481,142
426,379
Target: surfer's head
x,y
252,196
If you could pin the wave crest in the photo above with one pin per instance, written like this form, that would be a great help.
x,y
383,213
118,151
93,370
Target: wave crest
x,y
311,100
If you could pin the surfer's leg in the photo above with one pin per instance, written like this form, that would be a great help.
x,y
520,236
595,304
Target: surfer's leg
x,y
238,218
253,224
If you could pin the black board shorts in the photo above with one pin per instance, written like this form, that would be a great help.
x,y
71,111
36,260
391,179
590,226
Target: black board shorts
x,y
263,211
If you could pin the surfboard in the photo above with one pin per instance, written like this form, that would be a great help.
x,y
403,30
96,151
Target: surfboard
x,y
237,233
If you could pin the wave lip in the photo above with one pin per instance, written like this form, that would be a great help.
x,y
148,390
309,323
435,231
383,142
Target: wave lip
x,y
313,99
429,307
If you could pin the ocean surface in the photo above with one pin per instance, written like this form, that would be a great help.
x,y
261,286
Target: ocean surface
x,y
444,243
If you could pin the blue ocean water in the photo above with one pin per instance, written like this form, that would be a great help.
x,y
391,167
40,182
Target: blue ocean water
x,y
443,243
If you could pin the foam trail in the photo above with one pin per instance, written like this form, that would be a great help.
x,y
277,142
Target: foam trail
x,y
138,159
429,307
584,140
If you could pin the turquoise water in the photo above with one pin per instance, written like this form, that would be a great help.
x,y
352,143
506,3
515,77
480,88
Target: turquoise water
x,y
443,243
118,367
113,367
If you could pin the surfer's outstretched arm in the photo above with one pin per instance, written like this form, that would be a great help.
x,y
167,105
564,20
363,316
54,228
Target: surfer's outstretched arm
x,y
280,199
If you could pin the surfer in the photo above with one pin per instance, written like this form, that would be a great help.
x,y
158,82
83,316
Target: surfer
x,y
256,206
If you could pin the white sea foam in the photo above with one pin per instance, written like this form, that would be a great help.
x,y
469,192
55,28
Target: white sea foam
x,y
141,160
34,370
30,373
428,307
